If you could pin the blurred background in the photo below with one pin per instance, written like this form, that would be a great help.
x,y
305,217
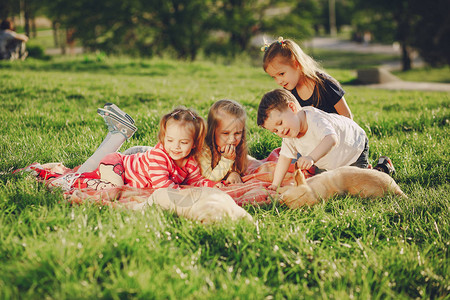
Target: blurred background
x,y
227,29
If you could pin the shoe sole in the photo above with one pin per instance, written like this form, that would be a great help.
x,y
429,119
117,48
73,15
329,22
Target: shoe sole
x,y
115,109
117,124
119,118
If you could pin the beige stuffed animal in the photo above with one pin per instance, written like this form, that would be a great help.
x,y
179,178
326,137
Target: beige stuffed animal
x,y
344,180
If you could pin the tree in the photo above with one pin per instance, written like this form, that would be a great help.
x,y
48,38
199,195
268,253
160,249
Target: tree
x,y
9,8
415,24
181,25
239,20
299,23
139,27
432,32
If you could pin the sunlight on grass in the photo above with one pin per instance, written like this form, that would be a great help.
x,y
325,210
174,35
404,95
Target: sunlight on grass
x,y
345,248
426,75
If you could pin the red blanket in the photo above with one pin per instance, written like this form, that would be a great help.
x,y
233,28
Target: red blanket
x,y
253,190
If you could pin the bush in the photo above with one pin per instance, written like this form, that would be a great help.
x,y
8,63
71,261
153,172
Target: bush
x,y
36,51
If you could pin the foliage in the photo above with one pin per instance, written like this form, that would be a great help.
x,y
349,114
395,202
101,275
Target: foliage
x,y
9,8
135,27
297,24
181,28
345,248
36,51
234,23
432,32
415,24
181,24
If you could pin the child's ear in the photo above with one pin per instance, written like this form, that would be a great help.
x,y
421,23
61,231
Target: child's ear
x,y
292,107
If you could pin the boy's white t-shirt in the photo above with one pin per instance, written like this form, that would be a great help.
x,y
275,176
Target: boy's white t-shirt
x,y
350,144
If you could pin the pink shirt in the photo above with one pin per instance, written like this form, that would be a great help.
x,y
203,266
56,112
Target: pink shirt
x,y
156,169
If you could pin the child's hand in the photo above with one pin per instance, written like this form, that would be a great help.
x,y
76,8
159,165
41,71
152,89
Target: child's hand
x,y
272,187
305,162
228,151
233,178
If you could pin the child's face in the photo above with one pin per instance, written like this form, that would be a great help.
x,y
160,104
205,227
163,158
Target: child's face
x,y
229,131
286,123
285,74
178,140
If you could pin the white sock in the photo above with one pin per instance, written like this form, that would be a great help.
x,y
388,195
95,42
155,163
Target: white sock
x,y
111,143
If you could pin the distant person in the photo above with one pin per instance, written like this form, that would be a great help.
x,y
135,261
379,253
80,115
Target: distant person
x,y
12,44
367,38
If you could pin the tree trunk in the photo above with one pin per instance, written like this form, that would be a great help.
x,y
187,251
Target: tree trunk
x,y
26,14
55,26
406,57
332,13
33,27
404,32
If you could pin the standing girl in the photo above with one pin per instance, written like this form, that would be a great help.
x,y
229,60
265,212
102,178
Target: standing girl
x,y
299,73
225,153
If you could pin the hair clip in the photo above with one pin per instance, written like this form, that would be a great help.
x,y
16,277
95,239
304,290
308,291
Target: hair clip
x,y
180,110
174,113
280,40
265,47
192,115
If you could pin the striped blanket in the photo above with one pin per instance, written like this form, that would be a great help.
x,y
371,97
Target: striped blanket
x,y
253,190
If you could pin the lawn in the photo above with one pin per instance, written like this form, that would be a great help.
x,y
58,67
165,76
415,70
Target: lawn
x,y
343,249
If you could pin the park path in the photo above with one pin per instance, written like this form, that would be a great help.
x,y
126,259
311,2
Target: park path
x,y
350,46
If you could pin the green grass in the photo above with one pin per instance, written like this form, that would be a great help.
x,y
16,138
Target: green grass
x,y
344,62
350,60
345,248
426,74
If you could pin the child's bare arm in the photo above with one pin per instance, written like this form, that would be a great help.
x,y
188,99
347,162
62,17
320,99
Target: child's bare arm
x,y
342,108
280,171
327,143
233,178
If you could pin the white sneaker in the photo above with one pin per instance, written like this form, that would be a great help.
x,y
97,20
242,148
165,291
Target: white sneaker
x,y
115,109
117,123
64,182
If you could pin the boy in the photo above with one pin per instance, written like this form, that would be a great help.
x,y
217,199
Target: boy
x,y
328,140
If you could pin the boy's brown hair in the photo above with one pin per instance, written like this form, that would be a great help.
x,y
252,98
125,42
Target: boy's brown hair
x,y
7,24
277,99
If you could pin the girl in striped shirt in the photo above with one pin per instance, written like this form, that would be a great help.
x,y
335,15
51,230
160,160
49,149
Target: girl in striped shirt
x,y
171,163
